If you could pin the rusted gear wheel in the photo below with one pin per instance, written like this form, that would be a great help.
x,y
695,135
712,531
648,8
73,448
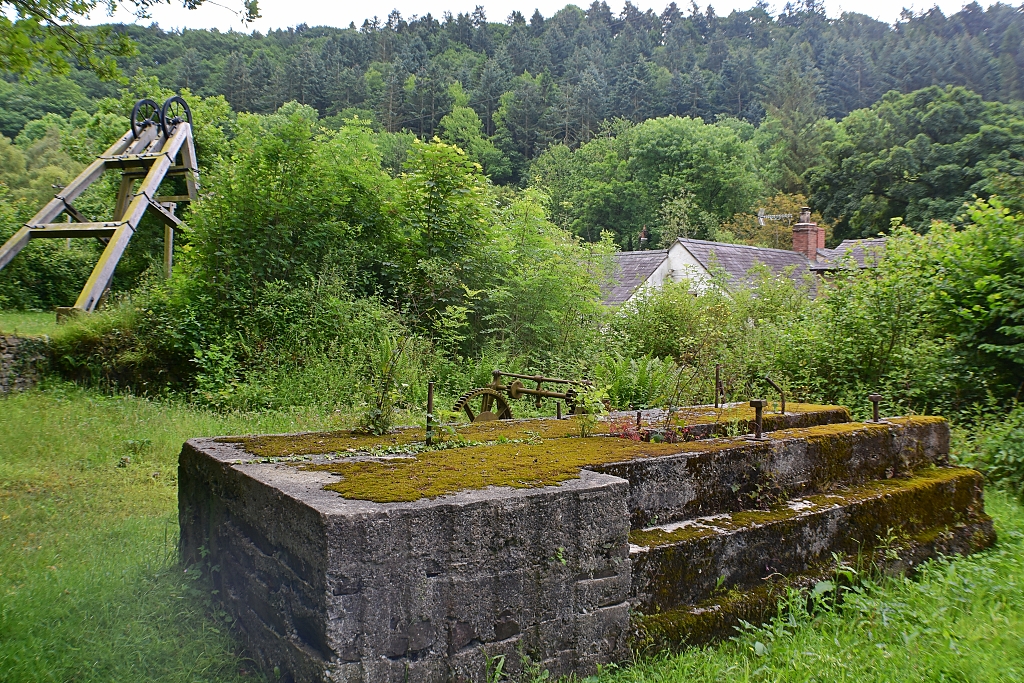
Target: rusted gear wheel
x,y
492,405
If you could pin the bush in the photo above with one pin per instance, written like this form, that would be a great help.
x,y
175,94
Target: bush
x,y
998,450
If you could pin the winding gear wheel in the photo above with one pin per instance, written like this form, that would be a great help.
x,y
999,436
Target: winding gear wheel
x,y
174,111
145,113
492,406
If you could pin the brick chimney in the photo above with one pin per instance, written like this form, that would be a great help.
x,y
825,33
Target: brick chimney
x,y
808,237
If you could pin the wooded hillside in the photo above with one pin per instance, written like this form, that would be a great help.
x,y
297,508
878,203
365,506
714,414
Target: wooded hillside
x,y
541,80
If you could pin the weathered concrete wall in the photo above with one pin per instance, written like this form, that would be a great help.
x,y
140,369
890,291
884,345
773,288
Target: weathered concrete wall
x,y
22,362
735,474
333,589
684,564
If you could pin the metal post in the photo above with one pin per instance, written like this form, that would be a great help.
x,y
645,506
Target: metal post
x,y
558,410
718,383
782,394
758,405
638,420
875,398
430,412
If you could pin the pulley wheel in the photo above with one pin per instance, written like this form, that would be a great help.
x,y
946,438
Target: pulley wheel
x,y
145,113
174,111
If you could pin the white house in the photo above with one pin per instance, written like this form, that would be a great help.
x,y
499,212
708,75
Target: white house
x,y
695,260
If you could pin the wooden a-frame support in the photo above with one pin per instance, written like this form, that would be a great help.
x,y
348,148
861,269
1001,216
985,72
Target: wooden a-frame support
x,y
150,158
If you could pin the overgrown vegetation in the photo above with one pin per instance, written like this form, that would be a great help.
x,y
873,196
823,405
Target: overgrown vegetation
x,y
90,586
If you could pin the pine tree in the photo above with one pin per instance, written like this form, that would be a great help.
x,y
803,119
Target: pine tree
x,y
237,86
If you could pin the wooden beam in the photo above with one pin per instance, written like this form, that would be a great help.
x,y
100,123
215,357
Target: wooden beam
x,y
124,193
75,213
173,198
163,214
142,173
13,245
104,270
77,186
188,159
168,250
50,230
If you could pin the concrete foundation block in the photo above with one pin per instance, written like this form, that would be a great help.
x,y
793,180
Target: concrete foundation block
x,y
332,589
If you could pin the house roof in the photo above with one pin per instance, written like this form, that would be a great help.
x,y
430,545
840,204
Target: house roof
x,y
630,270
737,260
865,252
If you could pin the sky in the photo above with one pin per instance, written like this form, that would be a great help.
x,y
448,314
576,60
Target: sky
x,y
222,14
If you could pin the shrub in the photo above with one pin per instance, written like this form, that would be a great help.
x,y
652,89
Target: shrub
x,y
998,450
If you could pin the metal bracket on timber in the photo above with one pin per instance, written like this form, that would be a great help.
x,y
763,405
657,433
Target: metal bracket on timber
x,y
158,145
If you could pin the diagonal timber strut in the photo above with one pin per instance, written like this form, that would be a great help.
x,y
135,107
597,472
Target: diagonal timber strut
x,y
149,158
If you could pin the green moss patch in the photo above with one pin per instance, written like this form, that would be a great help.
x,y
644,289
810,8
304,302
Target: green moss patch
x,y
342,441
699,528
436,473
830,431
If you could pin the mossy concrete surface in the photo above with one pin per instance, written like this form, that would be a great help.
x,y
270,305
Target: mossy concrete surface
x,y
352,558
670,480
708,420
704,422
727,475
686,562
718,617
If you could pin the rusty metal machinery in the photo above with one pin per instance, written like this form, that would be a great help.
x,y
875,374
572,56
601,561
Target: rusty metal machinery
x,y
158,145
491,400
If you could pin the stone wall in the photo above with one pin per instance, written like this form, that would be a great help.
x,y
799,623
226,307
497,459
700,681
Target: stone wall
x,y
22,362
328,588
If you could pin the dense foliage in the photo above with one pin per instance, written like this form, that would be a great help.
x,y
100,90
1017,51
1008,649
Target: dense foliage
x,y
918,157
555,79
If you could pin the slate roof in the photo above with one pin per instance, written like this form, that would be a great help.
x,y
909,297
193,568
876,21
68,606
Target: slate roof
x,y
865,252
737,260
630,270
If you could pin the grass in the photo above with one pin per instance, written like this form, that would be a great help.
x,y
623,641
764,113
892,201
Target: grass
x,y
28,324
90,589
89,585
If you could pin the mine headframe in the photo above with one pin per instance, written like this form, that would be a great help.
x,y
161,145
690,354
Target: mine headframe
x,y
158,145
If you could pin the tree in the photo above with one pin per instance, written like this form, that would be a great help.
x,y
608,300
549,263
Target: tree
x,y
978,277
917,157
191,72
710,162
237,85
795,119
523,126
774,233
442,199
462,127
42,33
